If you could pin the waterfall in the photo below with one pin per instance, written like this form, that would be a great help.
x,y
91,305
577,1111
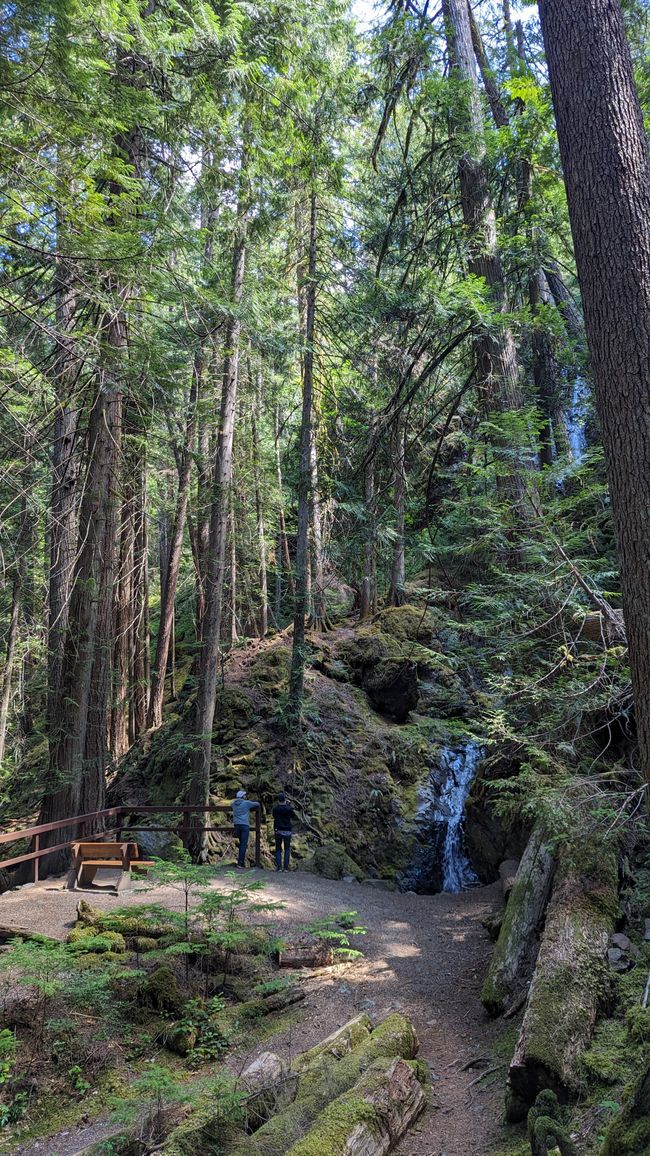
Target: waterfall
x,y
461,769
577,417
440,862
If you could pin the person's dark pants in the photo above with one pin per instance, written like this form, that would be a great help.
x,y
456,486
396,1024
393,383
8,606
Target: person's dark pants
x,y
280,841
242,831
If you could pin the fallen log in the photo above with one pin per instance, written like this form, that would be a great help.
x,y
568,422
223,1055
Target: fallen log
x,y
569,982
270,1087
515,953
306,955
507,874
371,1118
340,1043
323,1079
7,933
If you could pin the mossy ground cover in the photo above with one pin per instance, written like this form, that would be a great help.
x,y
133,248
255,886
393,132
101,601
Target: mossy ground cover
x,y
134,991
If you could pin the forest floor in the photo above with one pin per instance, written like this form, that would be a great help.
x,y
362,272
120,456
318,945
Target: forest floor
x,y
422,955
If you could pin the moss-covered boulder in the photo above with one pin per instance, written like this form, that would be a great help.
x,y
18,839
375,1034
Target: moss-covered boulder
x,y
95,941
385,669
270,669
405,623
161,992
332,862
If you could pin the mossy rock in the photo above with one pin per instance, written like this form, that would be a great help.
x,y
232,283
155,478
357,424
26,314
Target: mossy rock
x,y
270,669
161,992
234,712
96,961
87,939
181,1040
405,623
143,943
383,667
332,862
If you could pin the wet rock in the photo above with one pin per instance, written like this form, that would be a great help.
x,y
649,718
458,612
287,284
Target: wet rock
x,y
332,862
380,884
621,941
614,954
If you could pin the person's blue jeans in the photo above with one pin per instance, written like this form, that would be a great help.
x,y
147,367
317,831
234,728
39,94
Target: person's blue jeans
x,y
242,832
280,840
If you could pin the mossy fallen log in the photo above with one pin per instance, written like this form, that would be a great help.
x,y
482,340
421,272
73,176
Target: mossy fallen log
x,y
514,956
569,982
629,1133
344,1040
324,1079
371,1118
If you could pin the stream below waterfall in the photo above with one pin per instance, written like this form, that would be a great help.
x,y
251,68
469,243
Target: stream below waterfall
x,y
439,862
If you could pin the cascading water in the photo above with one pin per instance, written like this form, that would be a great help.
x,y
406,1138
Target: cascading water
x,y
576,418
440,862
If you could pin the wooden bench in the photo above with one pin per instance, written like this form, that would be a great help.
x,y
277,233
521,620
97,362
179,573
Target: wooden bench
x,y
89,858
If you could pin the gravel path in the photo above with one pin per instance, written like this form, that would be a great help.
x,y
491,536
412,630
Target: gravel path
x,y
424,955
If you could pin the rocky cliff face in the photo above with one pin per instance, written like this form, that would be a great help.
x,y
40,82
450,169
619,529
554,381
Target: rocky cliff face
x,y
386,702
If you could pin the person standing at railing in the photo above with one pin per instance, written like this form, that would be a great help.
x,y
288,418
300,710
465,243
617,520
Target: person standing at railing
x,y
283,815
241,817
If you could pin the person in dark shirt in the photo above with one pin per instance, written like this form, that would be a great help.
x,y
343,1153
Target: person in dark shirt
x,y
283,815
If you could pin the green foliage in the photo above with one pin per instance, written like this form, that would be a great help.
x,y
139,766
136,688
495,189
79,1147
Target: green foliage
x,y
335,931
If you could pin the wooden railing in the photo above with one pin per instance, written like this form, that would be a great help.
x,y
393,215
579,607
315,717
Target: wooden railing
x,y
92,826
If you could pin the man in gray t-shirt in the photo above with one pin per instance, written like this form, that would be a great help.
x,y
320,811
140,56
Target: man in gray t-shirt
x,y
241,811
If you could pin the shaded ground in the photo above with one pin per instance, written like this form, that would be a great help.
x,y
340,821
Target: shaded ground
x,y
423,954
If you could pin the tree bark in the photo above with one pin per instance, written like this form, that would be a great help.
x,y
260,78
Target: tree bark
x,y
297,676
7,673
83,692
497,366
396,592
514,955
65,469
567,986
199,790
140,620
175,547
283,562
604,153
256,410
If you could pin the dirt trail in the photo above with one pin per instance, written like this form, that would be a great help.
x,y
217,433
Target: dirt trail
x,y
423,955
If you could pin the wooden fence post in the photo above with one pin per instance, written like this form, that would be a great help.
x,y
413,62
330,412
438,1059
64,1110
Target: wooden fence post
x,y
257,838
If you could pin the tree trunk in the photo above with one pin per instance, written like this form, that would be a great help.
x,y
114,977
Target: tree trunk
x,y
497,366
259,510
174,551
65,468
515,952
118,743
199,789
297,677
567,986
284,558
396,592
78,738
368,601
7,673
604,153
140,619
